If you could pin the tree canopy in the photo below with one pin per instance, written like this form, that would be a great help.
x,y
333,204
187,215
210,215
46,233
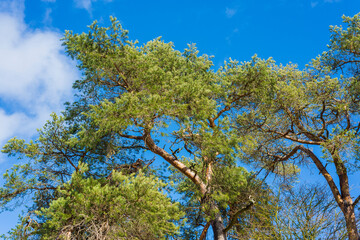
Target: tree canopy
x,y
94,170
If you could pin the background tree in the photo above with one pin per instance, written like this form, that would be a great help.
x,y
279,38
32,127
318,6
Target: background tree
x,y
316,107
304,212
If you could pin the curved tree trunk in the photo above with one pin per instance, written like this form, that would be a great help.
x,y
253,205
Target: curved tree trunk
x,y
342,197
218,228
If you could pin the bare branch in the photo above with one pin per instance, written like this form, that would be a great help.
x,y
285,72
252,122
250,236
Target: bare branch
x,y
356,201
285,135
237,214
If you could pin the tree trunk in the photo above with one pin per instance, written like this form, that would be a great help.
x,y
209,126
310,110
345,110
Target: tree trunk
x,y
347,203
218,228
342,197
350,219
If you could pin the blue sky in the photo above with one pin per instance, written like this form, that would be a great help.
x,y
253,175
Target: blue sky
x,y
36,76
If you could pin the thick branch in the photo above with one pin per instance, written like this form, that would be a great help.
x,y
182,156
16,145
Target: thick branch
x,y
325,173
204,231
131,136
127,86
296,120
173,161
348,121
71,163
347,62
212,120
301,140
343,176
320,167
287,156
226,108
209,172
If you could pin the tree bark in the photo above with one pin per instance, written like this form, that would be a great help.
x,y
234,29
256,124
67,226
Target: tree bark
x,y
192,175
346,206
218,228
217,224
349,213
204,232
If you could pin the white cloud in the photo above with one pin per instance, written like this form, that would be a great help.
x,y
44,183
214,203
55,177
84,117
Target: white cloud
x,y
13,7
35,75
230,12
48,0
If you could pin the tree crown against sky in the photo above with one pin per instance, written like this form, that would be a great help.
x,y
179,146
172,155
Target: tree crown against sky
x,y
130,95
317,107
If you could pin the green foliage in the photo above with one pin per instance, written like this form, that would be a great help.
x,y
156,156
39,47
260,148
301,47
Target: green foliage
x,y
123,207
152,100
231,189
319,107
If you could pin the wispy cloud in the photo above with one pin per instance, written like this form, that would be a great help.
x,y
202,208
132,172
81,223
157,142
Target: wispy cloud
x,y
48,0
87,4
35,75
314,4
234,32
230,12
47,18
